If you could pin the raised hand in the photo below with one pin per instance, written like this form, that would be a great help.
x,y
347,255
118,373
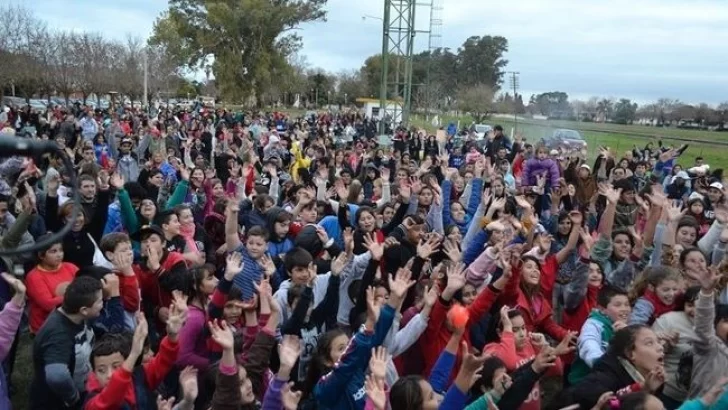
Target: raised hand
x,y
188,381
675,212
505,320
233,265
339,263
378,363
452,250
400,284
221,333
610,193
349,240
177,314
431,295
184,172
373,308
708,278
427,247
654,379
544,360
288,351
416,185
140,336
455,277
269,268
567,344
374,247
290,398
110,285
375,392
18,287
116,180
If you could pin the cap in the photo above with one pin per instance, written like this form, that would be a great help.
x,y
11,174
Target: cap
x,y
717,185
554,152
585,166
147,230
127,141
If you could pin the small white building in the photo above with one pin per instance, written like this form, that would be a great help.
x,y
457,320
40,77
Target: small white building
x,y
372,109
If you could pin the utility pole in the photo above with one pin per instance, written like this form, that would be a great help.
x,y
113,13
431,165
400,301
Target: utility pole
x,y
385,68
514,85
145,102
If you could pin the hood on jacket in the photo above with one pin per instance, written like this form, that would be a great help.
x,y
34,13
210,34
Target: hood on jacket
x,y
308,239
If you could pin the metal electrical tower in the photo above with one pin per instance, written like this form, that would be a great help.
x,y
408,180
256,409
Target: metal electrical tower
x,y
398,35
514,85
434,42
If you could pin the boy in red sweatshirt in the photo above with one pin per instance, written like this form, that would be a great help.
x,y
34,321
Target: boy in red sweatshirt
x,y
116,380
116,247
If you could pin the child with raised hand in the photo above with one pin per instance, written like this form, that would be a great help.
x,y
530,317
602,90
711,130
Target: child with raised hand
x,y
440,327
656,292
9,321
116,376
253,252
343,387
190,389
279,394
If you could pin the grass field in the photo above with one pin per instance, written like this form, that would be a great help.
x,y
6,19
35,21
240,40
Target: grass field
x,y
712,146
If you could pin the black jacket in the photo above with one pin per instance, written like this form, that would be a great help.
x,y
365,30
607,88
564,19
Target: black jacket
x,y
608,374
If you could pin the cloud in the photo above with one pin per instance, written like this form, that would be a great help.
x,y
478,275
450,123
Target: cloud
x,y
642,49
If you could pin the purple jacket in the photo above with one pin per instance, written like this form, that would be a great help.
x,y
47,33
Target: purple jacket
x,y
9,322
534,167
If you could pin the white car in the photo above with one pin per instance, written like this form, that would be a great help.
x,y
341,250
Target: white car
x,y
481,130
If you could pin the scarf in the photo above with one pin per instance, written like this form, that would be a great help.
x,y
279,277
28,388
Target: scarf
x,y
188,233
580,369
660,307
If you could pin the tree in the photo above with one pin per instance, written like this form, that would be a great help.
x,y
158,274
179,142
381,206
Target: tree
x,y
247,40
477,100
480,61
625,111
554,104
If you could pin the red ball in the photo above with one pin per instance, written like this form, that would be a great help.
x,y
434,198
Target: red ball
x,y
458,316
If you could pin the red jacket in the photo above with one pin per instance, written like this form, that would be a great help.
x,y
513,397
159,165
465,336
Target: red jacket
x,y
120,389
537,311
129,289
435,338
513,359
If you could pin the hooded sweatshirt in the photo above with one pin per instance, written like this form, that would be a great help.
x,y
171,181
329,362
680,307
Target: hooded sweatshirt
x,y
592,343
710,353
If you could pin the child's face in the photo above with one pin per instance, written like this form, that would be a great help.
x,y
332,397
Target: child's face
x,y
104,367
338,347
618,308
152,241
520,333
458,212
696,208
469,294
232,311
666,291
53,256
256,246
246,386
595,275
281,228
208,285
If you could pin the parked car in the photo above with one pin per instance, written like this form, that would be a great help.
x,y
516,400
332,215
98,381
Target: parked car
x,y
38,105
481,130
14,101
566,139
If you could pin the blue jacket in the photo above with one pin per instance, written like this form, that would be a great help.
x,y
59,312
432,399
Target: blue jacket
x,y
454,399
475,196
276,249
476,247
331,225
113,221
343,387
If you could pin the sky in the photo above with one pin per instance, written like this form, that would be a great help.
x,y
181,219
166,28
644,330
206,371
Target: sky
x,y
638,49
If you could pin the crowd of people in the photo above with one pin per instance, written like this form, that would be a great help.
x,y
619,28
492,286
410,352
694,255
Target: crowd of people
x,y
227,260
